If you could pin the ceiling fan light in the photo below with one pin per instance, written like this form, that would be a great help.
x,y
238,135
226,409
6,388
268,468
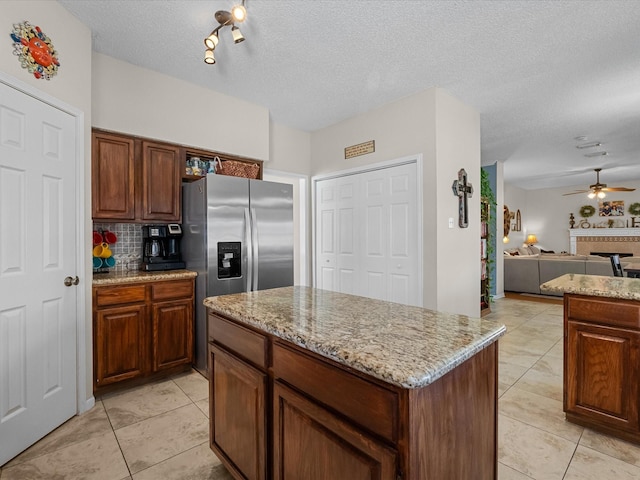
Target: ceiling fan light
x,y
592,195
212,40
601,194
209,58
237,35
239,13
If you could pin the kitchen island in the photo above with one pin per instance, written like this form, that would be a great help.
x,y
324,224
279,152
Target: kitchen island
x,y
307,383
601,352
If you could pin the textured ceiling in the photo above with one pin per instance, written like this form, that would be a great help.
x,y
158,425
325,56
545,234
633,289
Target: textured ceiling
x,y
539,72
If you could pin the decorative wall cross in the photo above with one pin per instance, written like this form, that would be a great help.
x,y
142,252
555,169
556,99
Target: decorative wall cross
x,y
463,190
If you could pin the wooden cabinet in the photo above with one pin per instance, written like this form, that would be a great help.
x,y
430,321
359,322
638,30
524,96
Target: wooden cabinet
x,y
238,413
112,177
602,356
119,343
307,435
278,411
141,330
161,173
135,179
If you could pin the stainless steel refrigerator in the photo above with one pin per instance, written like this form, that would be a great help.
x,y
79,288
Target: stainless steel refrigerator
x,y
238,236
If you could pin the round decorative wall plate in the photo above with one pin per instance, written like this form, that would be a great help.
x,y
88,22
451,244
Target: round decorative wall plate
x,y
34,50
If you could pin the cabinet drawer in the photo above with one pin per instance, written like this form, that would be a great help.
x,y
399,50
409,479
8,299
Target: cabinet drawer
x,y
371,406
172,289
604,311
246,343
121,294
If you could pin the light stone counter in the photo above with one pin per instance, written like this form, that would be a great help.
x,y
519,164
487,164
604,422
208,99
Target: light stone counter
x,y
594,285
115,278
406,346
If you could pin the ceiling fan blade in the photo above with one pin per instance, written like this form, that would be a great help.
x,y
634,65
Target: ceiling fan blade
x,y
618,189
573,193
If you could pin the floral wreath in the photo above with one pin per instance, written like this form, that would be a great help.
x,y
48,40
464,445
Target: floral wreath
x,y
588,211
634,208
34,50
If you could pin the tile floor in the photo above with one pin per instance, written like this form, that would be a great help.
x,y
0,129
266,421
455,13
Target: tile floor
x,y
160,430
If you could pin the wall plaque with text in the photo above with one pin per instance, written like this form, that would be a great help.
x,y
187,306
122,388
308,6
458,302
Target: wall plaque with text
x,y
360,149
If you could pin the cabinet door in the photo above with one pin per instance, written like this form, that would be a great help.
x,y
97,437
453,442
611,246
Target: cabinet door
x,y
120,346
311,443
112,177
172,334
601,374
161,182
238,414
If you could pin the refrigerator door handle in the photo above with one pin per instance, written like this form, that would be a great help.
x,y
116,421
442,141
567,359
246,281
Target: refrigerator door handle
x,y
247,242
254,247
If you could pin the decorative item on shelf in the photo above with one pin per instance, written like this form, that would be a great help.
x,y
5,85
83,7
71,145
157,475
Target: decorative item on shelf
x,y
587,211
34,50
572,221
236,168
634,209
238,14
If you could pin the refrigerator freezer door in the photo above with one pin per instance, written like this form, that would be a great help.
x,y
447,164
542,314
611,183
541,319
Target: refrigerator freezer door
x,y
272,231
227,222
194,253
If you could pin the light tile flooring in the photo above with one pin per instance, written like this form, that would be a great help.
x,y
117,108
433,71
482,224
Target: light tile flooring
x,y
160,431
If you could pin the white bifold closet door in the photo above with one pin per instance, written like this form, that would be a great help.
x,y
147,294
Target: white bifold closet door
x,y
367,234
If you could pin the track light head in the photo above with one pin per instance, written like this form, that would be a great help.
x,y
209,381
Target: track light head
x,y
239,13
237,35
208,57
212,40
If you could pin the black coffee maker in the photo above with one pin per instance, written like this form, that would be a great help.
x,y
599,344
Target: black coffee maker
x,y
161,247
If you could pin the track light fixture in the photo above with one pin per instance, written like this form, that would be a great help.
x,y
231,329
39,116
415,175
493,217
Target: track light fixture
x,y
238,14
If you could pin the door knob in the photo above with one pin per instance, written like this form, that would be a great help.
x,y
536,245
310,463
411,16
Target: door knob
x,y
68,281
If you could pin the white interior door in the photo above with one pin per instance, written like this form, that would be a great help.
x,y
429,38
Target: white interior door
x,y
367,234
37,251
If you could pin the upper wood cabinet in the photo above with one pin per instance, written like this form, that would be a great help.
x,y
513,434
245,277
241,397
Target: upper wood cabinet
x,y
112,177
135,179
161,182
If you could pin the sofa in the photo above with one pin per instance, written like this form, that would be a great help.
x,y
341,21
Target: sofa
x,y
525,273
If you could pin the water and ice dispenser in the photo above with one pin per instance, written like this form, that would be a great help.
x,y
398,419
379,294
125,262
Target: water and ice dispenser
x,y
229,259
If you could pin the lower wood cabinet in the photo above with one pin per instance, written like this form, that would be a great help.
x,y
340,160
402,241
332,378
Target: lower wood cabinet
x,y
119,345
602,361
141,330
238,400
278,411
311,442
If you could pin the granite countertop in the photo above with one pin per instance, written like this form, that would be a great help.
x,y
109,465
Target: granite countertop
x,y
406,346
594,285
115,278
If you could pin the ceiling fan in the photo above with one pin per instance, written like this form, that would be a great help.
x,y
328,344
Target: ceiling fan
x,y
598,189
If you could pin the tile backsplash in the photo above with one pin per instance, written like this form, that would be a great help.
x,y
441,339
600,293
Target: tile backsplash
x,y
127,251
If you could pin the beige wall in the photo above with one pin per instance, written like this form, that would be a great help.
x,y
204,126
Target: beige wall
x,y
289,150
72,85
447,134
138,101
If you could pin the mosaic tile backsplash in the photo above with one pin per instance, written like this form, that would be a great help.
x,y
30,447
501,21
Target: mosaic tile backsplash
x,y
127,251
